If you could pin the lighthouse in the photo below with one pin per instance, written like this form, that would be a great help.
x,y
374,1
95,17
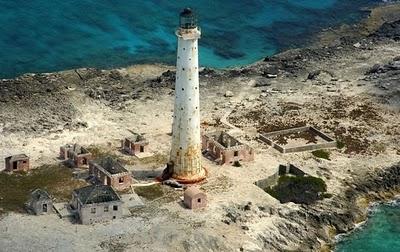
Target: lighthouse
x,y
185,158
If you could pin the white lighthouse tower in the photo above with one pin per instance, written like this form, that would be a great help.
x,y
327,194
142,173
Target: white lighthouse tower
x,y
185,159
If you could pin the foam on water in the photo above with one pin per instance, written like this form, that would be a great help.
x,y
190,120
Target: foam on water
x,y
44,36
381,232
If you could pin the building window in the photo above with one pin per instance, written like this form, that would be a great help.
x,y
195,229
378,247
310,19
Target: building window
x,y
183,69
141,148
121,180
105,208
198,200
115,208
93,210
236,153
45,208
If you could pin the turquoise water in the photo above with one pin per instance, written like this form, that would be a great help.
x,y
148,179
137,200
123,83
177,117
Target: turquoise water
x,y
380,233
44,36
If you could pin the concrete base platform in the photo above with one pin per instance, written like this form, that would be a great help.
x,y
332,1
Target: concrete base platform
x,y
63,210
132,200
143,155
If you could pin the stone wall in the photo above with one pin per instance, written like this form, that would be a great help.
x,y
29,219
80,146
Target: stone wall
x,y
19,164
280,171
330,142
224,155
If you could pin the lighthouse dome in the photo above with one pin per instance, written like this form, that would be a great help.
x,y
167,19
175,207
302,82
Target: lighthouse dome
x,y
188,19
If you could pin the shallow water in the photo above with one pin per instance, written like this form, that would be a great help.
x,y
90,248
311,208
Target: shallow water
x,y
44,36
380,233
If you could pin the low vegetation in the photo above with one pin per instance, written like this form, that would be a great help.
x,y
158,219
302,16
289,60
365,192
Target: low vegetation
x,y
55,179
340,145
151,192
298,189
321,154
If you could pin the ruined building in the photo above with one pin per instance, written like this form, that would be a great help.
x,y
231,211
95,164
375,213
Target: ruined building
x,y
225,149
185,157
40,202
194,198
135,144
17,163
110,172
96,203
75,155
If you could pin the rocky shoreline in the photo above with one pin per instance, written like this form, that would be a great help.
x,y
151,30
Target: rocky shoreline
x,y
36,105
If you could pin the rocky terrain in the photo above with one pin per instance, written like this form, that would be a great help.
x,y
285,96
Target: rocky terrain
x,y
346,84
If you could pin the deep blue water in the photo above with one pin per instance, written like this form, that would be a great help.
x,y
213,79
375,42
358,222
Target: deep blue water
x,y
44,36
381,233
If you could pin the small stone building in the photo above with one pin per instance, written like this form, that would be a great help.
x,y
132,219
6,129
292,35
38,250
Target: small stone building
x,y
96,203
17,163
225,149
75,155
135,144
40,202
110,172
193,198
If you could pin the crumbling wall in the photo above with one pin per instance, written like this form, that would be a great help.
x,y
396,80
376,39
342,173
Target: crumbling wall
x,y
267,138
244,153
133,148
282,170
118,181
226,155
20,164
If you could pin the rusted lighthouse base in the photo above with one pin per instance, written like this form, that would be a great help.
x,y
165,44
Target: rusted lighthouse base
x,y
192,179
168,173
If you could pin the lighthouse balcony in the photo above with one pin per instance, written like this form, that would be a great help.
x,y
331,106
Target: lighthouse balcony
x,y
189,34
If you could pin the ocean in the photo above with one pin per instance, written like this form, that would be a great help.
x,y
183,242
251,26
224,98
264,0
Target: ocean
x,y
381,232
45,36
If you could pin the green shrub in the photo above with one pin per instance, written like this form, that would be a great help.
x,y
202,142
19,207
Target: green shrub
x,y
321,154
340,144
237,164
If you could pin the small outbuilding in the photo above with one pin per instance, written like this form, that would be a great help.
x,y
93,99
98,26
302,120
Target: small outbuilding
x,y
135,144
40,202
75,155
96,203
194,198
110,172
17,163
